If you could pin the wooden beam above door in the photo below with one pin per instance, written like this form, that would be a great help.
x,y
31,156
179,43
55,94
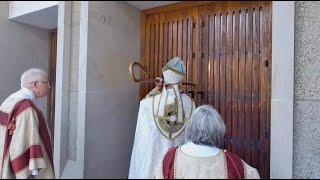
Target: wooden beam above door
x,y
175,6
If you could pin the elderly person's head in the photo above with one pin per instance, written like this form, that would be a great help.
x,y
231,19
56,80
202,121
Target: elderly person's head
x,y
37,81
205,127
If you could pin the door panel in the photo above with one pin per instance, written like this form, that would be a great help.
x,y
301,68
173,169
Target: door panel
x,y
52,80
226,48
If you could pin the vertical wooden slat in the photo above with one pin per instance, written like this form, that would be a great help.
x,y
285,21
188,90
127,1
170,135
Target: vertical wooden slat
x,y
262,90
248,75
211,39
241,80
184,47
190,51
235,83
268,89
52,54
143,50
152,52
175,38
170,39
204,58
53,86
265,69
185,42
52,80
156,51
161,49
262,106
180,40
255,89
223,66
146,61
165,43
228,70
200,59
216,70
196,51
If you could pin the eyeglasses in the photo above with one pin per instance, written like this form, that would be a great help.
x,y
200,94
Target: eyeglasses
x,y
44,82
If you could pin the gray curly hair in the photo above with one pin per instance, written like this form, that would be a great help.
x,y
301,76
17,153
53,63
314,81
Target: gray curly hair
x,y
205,127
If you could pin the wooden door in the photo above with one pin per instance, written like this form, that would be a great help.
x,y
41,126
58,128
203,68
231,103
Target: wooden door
x,y
226,47
166,35
236,75
52,81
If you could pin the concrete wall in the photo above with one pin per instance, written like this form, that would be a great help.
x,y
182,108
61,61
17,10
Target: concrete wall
x,y
19,8
21,47
43,14
112,99
306,160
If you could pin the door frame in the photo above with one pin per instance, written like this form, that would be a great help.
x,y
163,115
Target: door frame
x,y
282,93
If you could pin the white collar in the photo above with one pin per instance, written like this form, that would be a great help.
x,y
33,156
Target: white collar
x,y
199,150
24,93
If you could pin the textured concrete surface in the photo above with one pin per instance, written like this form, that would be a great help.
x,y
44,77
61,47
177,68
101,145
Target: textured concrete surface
x,y
306,160
306,139
307,53
74,78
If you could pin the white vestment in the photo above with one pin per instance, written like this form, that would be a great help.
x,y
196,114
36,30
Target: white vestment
x,y
29,152
25,93
202,162
150,145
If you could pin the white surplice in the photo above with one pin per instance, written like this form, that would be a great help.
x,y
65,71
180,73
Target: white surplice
x,y
150,145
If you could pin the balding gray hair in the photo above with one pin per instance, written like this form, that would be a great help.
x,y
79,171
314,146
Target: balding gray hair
x,y
205,127
32,75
